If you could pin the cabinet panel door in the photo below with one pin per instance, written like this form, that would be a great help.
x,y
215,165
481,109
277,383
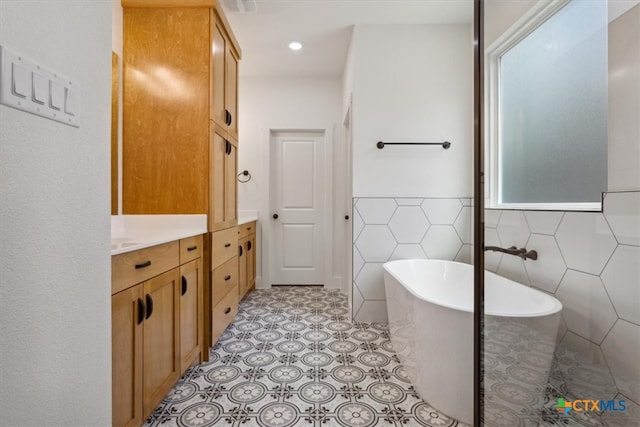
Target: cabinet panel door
x,y
231,100
191,314
161,337
242,267
231,186
127,313
251,261
217,177
218,69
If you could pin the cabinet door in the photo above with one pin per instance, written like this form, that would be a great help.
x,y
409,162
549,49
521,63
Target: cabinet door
x,y
191,314
219,48
242,267
231,186
161,337
231,93
251,261
127,315
217,181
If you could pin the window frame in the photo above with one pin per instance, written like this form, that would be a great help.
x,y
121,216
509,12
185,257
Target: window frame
x,y
530,21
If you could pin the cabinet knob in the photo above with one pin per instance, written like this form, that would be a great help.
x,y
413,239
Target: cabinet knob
x,y
228,310
346,217
275,216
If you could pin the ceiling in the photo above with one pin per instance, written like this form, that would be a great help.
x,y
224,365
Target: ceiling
x,y
324,28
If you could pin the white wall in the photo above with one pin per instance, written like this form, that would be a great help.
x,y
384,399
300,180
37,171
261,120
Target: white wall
x,y
412,83
55,302
408,83
283,103
624,102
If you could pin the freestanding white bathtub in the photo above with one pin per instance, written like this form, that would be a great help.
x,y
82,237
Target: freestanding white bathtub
x,y
430,308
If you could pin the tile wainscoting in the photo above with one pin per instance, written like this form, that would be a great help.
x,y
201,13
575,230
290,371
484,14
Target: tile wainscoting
x,y
386,228
590,262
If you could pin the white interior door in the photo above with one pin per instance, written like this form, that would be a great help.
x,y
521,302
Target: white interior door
x,y
297,208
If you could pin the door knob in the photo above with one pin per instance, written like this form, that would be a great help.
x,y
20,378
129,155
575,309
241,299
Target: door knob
x,y
275,216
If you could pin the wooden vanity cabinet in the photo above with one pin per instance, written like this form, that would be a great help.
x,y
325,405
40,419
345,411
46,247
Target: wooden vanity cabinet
x,y
157,325
180,118
247,258
191,303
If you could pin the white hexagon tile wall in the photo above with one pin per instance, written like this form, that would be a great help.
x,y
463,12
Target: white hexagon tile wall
x,y
387,228
591,262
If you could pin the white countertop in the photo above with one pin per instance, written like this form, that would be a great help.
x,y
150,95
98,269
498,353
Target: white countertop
x,y
247,216
133,232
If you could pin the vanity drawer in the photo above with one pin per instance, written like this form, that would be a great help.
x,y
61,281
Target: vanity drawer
x,y
224,279
190,248
223,313
134,267
224,246
246,229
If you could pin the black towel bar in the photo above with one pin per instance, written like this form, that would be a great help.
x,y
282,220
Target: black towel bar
x,y
445,144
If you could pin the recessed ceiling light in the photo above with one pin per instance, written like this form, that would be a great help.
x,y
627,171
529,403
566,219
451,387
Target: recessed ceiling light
x,y
295,45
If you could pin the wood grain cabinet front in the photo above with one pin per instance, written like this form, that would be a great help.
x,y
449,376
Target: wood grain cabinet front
x,y
247,258
223,313
180,109
157,328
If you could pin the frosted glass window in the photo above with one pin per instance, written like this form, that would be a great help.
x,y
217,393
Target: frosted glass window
x,y
553,110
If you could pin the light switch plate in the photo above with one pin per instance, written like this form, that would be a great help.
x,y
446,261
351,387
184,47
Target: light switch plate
x,y
27,86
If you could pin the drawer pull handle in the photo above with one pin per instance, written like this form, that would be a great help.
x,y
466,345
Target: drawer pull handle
x,y
228,310
249,245
149,306
191,248
226,245
227,278
141,310
143,265
240,250
248,228
184,286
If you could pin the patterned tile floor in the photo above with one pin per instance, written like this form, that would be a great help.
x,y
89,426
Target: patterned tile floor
x,y
293,358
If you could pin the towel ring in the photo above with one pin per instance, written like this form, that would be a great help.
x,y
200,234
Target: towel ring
x,y
244,173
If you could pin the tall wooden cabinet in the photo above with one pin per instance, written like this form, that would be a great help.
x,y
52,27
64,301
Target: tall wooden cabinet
x,y
180,119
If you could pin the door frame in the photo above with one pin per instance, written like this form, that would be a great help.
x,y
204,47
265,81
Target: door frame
x,y
266,208
347,142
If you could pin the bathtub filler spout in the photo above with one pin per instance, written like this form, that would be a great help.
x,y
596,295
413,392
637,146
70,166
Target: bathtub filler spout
x,y
522,252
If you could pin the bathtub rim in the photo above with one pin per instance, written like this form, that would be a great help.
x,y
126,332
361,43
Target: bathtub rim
x,y
556,304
